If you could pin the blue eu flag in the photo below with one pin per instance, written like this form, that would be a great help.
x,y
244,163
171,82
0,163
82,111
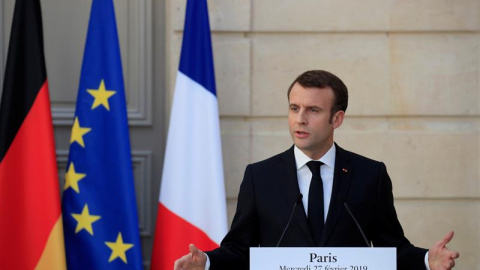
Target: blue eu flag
x,y
99,206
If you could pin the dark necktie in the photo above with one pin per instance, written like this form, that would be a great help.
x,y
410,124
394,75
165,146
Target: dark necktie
x,y
315,202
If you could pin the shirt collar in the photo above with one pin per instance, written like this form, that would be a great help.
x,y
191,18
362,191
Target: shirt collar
x,y
328,159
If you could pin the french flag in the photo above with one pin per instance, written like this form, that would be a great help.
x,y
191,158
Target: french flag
x,y
192,207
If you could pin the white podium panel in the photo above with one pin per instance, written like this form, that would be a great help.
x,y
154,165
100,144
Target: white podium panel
x,y
306,258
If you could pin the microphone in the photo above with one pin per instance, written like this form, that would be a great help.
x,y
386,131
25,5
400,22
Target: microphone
x,y
297,201
358,224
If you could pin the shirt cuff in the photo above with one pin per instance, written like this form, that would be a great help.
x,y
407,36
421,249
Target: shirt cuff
x,y
426,261
207,263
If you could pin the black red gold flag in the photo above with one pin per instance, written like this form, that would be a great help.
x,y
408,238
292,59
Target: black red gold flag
x,y
31,231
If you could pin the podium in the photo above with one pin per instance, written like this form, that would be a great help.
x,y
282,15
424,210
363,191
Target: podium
x,y
308,258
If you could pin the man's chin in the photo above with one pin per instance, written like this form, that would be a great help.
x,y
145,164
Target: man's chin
x,y
302,146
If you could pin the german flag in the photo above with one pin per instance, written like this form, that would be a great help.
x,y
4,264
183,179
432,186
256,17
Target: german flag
x,y
31,232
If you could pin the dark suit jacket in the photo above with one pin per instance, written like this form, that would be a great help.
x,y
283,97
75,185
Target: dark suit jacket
x,y
270,189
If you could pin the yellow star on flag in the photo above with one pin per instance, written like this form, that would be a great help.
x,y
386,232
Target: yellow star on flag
x,y
72,178
101,96
118,249
85,220
78,132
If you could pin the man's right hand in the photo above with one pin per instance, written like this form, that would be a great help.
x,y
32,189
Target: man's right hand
x,y
195,260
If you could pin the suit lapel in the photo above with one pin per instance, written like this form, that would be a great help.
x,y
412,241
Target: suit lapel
x,y
341,183
289,184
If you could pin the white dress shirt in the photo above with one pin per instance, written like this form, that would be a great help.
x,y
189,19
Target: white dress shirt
x,y
304,176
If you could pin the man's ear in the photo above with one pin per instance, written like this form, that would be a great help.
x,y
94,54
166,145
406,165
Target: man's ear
x,y
338,119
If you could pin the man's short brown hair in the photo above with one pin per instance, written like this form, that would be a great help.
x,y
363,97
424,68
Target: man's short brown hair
x,y
323,79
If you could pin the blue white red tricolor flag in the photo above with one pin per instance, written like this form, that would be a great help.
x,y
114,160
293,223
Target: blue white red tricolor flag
x,y
192,204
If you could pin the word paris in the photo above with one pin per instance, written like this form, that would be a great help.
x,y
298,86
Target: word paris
x,y
302,258
314,257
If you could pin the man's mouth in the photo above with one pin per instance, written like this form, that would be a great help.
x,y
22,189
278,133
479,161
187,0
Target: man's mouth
x,y
301,133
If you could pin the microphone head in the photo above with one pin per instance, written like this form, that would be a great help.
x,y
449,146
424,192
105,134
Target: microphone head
x,y
299,198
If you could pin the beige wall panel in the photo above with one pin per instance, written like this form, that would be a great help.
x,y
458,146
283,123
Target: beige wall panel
x,y
360,60
236,145
326,15
225,15
431,15
270,136
232,74
370,15
266,137
426,158
426,222
435,74
231,53
231,208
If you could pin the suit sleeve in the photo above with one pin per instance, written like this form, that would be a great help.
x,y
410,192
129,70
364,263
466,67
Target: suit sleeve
x,y
389,232
233,252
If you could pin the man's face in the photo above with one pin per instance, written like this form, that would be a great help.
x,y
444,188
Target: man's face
x,y
309,119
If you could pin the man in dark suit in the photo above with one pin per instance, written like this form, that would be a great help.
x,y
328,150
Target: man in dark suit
x,y
333,182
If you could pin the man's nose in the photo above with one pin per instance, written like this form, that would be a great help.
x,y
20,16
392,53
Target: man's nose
x,y
301,117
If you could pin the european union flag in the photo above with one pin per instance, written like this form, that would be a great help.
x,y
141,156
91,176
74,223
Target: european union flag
x,y
99,206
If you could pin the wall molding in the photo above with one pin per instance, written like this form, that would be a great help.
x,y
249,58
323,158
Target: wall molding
x,y
137,63
142,171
